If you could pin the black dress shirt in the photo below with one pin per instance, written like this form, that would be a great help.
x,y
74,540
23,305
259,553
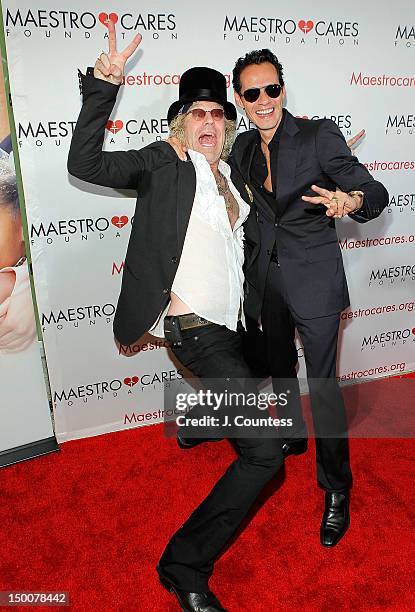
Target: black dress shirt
x,y
259,170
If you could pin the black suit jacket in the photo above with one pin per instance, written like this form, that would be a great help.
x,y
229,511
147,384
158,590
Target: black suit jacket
x,y
311,152
166,188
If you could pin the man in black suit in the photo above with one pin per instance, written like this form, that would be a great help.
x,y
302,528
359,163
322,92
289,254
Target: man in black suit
x,y
295,276
183,269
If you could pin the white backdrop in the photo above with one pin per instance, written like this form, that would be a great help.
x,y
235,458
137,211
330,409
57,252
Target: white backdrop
x,y
349,61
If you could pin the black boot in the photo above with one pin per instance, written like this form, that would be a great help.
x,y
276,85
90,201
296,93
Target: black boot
x,y
336,518
187,443
193,602
296,446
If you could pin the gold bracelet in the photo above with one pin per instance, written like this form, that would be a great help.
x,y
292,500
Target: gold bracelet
x,y
357,193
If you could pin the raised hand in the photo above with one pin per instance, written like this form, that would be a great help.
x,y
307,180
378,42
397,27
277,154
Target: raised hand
x,y
355,139
110,66
338,203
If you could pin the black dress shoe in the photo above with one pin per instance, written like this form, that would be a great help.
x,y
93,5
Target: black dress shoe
x,y
193,602
336,518
187,443
296,446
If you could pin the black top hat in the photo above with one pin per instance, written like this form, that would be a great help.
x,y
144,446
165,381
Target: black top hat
x,y
202,84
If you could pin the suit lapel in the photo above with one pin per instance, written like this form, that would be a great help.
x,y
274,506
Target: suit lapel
x,y
251,226
287,161
246,163
247,158
242,187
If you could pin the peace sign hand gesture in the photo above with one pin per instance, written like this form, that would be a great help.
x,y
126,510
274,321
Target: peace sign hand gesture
x,y
110,66
338,203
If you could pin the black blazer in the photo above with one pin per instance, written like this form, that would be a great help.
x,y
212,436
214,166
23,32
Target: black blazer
x,y
311,152
166,188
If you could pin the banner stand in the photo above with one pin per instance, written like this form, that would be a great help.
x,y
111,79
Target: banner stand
x,y
28,451
27,428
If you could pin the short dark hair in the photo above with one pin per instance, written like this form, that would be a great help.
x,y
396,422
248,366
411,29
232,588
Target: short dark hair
x,y
8,189
259,56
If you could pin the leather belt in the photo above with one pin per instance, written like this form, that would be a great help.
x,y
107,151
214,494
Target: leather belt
x,y
191,320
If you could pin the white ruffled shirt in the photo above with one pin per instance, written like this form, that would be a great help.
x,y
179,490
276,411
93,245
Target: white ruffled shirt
x,y
209,278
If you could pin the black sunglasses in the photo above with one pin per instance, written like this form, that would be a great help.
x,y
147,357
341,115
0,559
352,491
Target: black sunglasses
x,y
272,91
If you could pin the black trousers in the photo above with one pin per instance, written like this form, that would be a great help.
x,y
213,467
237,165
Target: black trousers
x,y
214,352
319,338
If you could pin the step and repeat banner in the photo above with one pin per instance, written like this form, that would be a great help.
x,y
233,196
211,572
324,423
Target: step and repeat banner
x,y
339,62
25,419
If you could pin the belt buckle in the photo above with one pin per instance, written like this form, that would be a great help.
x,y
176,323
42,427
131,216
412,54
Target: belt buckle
x,y
191,320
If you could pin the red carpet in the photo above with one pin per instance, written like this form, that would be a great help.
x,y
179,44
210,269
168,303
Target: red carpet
x,y
94,518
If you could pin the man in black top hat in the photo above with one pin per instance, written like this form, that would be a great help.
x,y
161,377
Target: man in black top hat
x,y
183,272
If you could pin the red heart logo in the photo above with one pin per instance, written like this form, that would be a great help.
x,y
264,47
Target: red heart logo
x,y
105,18
305,26
130,381
119,221
114,126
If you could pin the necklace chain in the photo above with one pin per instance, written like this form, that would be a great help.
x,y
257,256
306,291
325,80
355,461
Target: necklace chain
x,y
223,189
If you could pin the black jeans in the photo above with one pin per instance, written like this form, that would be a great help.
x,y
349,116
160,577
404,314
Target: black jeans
x,y
214,352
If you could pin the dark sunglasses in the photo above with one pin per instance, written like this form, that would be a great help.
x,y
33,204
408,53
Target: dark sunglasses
x,y
272,91
200,113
